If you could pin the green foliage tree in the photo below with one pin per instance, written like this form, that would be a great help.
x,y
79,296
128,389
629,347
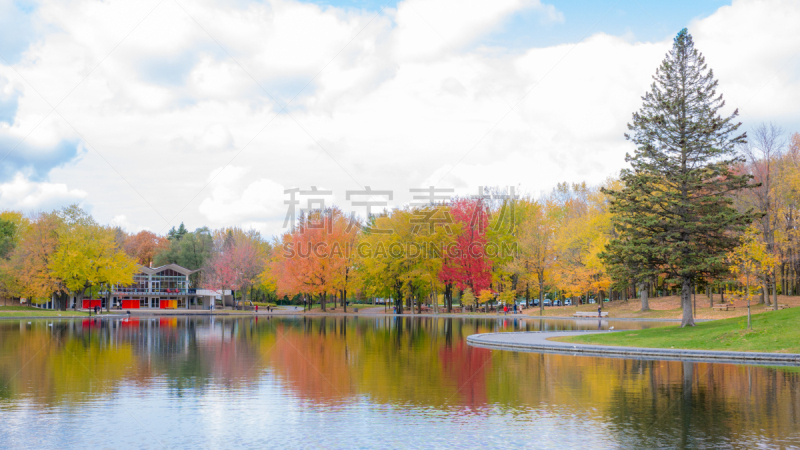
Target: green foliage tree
x,y
177,235
191,250
7,232
674,214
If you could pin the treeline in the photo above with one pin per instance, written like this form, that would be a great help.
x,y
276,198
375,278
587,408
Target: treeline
x,y
66,253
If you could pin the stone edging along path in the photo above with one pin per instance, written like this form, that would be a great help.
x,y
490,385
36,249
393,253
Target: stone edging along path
x,y
537,342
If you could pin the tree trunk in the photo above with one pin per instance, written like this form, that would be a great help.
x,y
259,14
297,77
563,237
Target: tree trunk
x,y
775,293
448,297
643,296
398,301
541,298
686,302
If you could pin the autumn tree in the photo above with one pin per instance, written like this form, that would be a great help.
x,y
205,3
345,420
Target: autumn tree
x,y
674,213
237,263
87,255
144,246
30,260
751,261
467,265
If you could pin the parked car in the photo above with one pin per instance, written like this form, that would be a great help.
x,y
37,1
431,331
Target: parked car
x,y
567,302
547,302
536,302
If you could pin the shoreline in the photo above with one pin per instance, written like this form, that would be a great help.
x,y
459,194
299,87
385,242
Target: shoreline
x,y
280,313
539,342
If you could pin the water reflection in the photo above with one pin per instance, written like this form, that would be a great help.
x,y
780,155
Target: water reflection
x,y
399,372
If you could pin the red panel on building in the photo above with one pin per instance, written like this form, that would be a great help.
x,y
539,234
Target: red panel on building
x,y
168,304
89,304
130,304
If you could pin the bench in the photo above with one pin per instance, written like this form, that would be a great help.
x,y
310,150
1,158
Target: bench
x,y
589,314
783,306
724,307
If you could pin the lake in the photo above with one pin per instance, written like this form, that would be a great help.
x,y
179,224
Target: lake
x,y
366,382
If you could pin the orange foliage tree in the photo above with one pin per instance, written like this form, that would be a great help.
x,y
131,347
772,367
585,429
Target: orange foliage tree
x,y
144,246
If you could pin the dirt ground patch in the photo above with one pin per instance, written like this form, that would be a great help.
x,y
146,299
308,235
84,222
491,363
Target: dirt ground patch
x,y
668,308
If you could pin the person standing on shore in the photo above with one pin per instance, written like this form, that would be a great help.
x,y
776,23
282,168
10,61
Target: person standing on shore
x,y
599,311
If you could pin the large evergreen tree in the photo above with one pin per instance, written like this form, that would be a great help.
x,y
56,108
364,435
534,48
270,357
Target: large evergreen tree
x,y
674,215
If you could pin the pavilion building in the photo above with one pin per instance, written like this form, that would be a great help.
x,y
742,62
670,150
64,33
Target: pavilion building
x,y
164,287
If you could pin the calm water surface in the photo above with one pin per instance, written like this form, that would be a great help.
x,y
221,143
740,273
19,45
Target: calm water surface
x,y
365,382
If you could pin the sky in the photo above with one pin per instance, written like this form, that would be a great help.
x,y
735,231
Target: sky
x,y
157,112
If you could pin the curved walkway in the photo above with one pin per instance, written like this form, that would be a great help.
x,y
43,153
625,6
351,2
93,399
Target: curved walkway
x,y
538,342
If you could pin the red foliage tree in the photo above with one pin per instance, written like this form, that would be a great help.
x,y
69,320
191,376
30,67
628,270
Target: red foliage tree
x,y
236,265
466,264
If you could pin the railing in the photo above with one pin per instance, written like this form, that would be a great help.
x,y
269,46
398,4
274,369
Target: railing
x,y
176,291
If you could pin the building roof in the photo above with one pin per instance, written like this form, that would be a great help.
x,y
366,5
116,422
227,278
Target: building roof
x,y
175,267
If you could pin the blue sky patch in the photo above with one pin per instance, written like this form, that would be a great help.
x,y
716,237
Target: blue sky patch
x,y
33,161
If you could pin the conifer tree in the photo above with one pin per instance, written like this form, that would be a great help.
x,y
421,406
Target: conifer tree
x,y
674,215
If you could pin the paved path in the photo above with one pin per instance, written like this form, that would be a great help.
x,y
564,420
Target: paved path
x,y
538,342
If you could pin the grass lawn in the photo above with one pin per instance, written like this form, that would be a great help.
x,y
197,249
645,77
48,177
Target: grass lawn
x,y
29,311
773,331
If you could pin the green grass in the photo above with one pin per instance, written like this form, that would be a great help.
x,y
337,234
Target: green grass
x,y
29,311
775,331
262,304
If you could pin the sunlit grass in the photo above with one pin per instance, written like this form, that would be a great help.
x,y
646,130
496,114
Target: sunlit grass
x,y
773,331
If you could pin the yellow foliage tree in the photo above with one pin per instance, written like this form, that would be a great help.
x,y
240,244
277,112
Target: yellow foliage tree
x,y
88,255
750,261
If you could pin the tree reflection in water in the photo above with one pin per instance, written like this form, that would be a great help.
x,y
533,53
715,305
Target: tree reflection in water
x,y
402,362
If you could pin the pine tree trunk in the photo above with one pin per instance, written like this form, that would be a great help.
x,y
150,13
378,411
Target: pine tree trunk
x,y
686,302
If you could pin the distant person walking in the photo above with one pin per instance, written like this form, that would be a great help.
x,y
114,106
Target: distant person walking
x,y
599,311
505,310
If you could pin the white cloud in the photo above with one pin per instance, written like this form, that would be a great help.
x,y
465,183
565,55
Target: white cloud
x,y
123,222
234,200
427,28
29,196
392,101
